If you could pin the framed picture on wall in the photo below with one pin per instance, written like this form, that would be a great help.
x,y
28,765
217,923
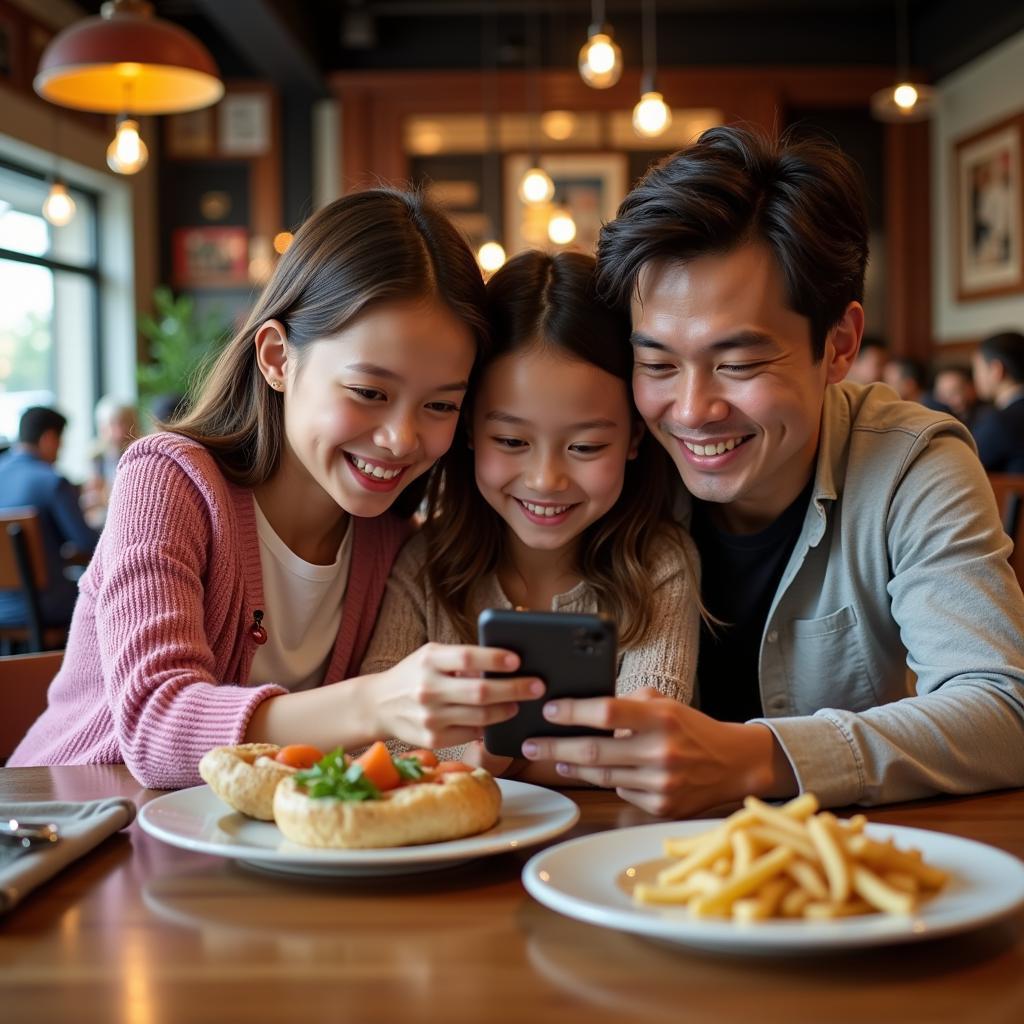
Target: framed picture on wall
x,y
210,257
989,211
589,186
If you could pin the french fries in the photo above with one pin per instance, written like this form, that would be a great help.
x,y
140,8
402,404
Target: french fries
x,y
789,862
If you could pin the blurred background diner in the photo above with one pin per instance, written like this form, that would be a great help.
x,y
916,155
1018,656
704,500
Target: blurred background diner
x,y
146,194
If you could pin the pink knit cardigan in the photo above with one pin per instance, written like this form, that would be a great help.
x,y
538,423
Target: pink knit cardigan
x,y
159,651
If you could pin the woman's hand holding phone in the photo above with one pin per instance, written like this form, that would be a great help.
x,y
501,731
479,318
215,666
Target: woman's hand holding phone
x,y
438,696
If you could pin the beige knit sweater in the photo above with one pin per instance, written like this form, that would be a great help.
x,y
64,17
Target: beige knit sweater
x,y
665,658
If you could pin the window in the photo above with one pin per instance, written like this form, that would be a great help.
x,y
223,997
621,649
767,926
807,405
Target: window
x,y
50,311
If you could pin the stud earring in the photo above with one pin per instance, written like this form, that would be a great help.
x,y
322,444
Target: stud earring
x,y
276,385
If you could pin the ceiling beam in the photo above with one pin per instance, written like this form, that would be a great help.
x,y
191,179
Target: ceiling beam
x,y
268,40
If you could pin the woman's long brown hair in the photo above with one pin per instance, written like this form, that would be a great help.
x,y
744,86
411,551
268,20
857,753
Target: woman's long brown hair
x,y
381,245
537,299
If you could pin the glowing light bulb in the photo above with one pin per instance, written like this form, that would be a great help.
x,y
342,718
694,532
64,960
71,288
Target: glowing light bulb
x,y
536,186
600,60
905,96
651,115
558,124
127,154
282,240
58,206
490,256
561,227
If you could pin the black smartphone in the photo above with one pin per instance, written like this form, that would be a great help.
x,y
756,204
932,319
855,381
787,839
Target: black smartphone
x,y
575,655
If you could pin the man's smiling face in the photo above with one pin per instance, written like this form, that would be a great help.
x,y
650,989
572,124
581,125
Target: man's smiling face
x,y
725,378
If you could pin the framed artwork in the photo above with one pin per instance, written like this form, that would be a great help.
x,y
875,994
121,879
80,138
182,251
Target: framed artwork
x,y
989,211
191,134
244,124
589,186
210,257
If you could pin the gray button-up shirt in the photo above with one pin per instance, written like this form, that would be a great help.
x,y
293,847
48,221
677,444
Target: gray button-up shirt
x,y
901,563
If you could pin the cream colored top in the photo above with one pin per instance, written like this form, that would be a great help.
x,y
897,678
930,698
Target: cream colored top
x,y
665,658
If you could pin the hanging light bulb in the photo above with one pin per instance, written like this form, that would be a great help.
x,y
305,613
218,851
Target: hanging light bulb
x,y
58,206
561,227
905,101
600,60
127,154
490,256
536,186
651,115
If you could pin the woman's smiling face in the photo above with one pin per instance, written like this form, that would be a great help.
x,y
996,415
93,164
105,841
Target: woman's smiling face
x,y
551,436
370,409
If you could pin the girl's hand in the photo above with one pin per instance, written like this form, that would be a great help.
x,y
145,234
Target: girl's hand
x,y
479,756
437,696
665,757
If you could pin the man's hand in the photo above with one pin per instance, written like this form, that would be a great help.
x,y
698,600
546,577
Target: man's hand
x,y
665,757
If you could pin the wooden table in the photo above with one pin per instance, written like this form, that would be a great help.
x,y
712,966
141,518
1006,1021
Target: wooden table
x,y
144,933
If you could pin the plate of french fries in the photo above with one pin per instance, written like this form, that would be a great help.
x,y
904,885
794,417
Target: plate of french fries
x,y
778,878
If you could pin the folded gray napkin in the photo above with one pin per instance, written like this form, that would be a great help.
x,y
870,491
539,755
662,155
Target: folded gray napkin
x,y
82,826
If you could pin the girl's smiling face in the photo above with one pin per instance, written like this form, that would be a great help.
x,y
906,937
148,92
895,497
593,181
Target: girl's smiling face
x,y
370,409
551,435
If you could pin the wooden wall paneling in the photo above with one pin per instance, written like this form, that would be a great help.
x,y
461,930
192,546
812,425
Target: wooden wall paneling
x,y
908,241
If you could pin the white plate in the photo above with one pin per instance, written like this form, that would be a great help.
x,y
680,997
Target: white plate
x,y
195,819
581,878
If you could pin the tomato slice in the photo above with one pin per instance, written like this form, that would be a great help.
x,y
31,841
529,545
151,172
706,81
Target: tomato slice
x,y
379,768
427,758
452,767
298,755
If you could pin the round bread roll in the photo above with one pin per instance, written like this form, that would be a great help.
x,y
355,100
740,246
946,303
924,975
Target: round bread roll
x,y
245,777
461,804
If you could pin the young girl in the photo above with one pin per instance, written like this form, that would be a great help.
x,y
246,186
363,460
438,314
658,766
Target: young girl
x,y
245,555
555,499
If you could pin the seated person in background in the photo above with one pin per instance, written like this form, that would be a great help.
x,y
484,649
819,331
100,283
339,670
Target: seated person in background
x,y
869,366
907,377
999,378
117,425
953,387
28,479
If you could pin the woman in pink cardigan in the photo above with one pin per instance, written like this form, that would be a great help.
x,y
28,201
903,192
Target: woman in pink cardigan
x,y
245,555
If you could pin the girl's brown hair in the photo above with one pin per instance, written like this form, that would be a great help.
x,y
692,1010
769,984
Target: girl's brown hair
x,y
537,299
381,245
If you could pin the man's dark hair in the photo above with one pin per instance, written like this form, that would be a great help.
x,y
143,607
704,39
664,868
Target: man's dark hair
x,y
36,421
1008,349
912,369
801,197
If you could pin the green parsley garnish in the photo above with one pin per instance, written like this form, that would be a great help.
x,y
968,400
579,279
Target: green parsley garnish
x,y
331,777
409,768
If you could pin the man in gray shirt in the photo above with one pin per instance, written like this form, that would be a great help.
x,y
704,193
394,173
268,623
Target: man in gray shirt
x,y
743,260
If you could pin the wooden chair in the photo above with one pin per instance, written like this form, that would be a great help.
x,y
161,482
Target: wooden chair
x,y
23,567
24,681
1009,492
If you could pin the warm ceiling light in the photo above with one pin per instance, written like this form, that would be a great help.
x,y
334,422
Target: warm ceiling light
x,y
127,154
558,124
906,101
282,240
58,206
490,256
125,52
600,60
561,227
651,115
536,186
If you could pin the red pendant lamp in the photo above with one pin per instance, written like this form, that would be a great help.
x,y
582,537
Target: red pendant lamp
x,y
126,61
